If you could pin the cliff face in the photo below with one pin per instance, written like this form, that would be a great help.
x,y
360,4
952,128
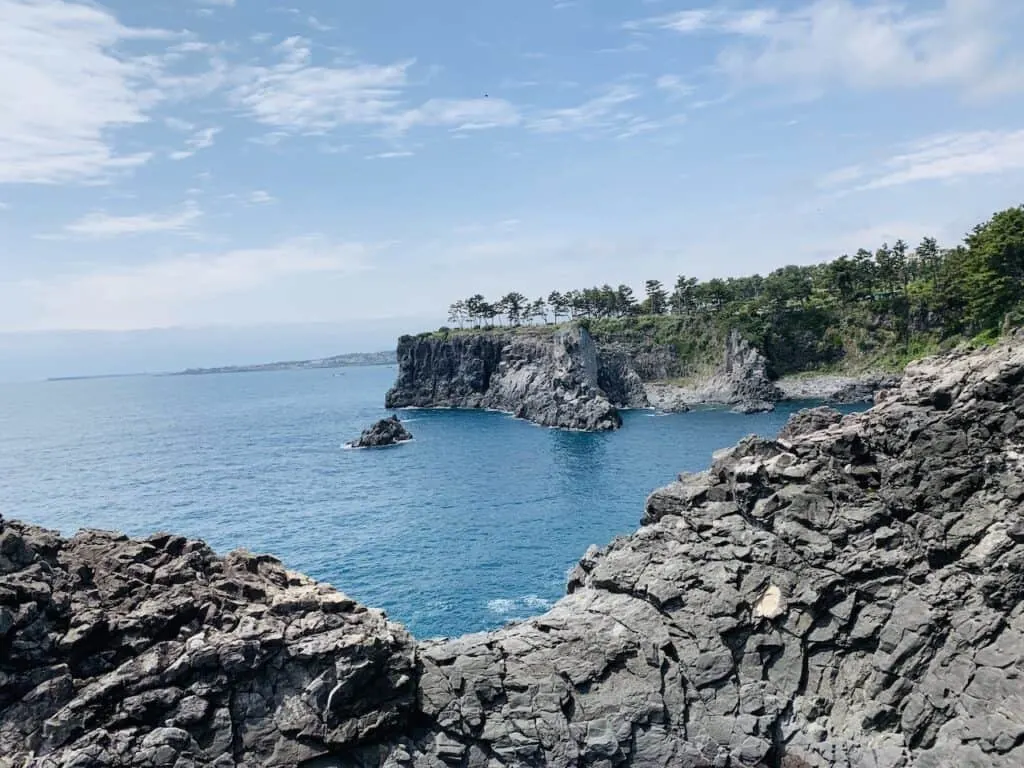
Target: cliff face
x,y
552,381
741,379
849,595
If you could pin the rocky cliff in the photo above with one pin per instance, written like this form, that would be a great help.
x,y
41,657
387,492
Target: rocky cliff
x,y
848,595
552,380
741,379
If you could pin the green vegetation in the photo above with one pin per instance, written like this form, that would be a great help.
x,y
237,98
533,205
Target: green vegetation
x,y
876,309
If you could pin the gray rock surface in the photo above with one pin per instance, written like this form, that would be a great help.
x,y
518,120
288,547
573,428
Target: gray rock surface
x,y
848,595
741,381
837,389
618,378
120,652
667,397
810,420
549,380
384,433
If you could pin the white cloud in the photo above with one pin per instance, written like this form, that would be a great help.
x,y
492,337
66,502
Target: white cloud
x,y
103,225
64,89
389,155
296,96
939,158
459,114
674,85
862,45
318,25
166,292
201,140
597,113
261,197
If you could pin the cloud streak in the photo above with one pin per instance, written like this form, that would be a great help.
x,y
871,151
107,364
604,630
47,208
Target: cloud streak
x,y
872,45
103,225
944,157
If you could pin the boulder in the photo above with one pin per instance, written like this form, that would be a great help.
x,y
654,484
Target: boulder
x,y
389,431
810,420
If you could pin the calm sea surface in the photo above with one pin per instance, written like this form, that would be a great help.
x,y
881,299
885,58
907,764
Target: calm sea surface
x,y
474,523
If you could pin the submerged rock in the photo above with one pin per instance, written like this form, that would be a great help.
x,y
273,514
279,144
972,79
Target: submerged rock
x,y
389,431
849,596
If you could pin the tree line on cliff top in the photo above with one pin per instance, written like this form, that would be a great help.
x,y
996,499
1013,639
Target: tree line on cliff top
x,y
973,288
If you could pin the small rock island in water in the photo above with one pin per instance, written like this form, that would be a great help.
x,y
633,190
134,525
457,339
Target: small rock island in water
x,y
389,431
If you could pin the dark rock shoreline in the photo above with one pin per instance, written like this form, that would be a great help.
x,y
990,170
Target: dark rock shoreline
x,y
564,379
847,595
552,381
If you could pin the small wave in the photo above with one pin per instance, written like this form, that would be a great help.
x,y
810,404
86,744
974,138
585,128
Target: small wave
x,y
505,606
347,447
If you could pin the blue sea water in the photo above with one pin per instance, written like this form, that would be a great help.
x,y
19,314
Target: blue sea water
x,y
473,523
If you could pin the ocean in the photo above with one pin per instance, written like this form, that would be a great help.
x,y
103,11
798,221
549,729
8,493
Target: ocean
x,y
474,523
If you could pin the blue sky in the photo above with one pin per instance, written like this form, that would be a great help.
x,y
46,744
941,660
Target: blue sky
x,y
204,163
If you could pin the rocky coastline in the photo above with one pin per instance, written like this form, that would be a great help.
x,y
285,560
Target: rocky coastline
x,y
566,379
847,595
551,380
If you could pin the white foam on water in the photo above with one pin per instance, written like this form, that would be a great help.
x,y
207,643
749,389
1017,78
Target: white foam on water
x,y
505,606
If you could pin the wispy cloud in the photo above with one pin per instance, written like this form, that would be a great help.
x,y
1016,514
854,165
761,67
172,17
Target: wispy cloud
x,y
261,197
674,86
318,25
939,158
459,115
296,96
389,155
103,225
601,112
861,45
64,89
201,140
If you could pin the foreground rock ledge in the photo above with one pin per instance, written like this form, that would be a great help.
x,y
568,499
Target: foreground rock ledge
x,y
847,596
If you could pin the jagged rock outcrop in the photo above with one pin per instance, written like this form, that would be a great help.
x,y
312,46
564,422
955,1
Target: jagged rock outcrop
x,y
809,420
837,389
120,652
848,595
551,380
741,380
384,433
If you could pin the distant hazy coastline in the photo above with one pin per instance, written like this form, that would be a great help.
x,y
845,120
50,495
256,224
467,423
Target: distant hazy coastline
x,y
337,361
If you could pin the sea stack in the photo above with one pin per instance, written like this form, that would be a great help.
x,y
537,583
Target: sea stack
x,y
389,431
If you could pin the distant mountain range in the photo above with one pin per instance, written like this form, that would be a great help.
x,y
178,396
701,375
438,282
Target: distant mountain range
x,y
337,361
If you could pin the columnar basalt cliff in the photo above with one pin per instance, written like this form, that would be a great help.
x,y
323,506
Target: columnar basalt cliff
x,y
847,595
551,379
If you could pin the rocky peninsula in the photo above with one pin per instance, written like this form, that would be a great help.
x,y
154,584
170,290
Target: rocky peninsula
x,y
564,378
849,595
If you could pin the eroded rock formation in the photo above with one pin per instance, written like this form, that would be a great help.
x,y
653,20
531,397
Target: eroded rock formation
x,y
384,433
848,595
551,380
